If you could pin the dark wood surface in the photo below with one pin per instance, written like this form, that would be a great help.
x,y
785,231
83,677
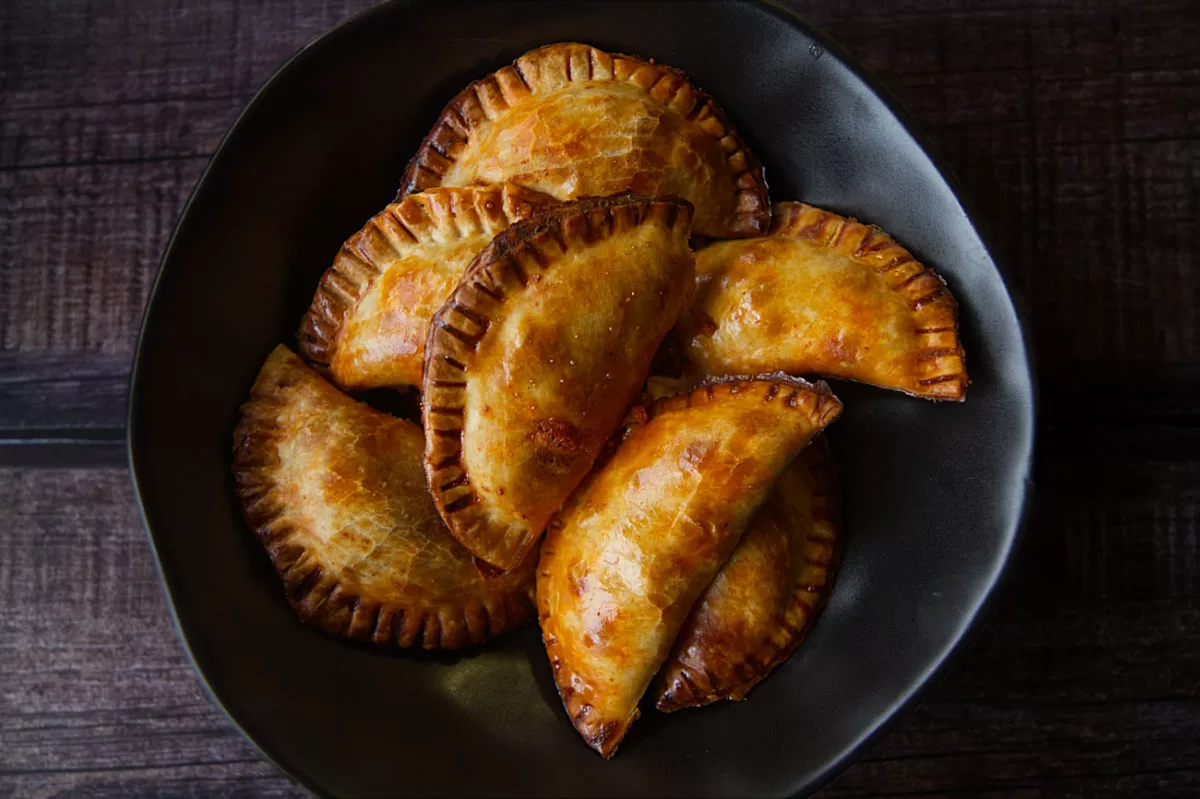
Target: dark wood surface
x,y
1075,128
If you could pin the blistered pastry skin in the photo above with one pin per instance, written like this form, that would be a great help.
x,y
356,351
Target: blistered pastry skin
x,y
335,491
639,542
370,315
824,295
761,604
573,121
532,363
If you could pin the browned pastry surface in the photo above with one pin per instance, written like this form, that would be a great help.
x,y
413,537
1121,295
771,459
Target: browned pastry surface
x,y
759,607
336,493
824,295
637,545
535,358
574,121
370,314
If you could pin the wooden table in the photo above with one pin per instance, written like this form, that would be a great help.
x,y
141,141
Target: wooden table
x,y
1074,127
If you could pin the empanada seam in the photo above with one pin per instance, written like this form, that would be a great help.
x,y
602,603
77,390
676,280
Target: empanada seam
x,y
573,703
819,403
418,217
822,398
486,286
751,212
308,588
701,688
939,364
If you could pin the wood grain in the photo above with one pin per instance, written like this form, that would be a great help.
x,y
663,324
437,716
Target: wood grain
x,y
1073,128
1067,690
108,116
96,693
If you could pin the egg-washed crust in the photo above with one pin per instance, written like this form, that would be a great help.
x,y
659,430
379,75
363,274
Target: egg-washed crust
x,y
577,690
938,367
689,678
496,277
320,595
797,389
555,66
941,365
425,221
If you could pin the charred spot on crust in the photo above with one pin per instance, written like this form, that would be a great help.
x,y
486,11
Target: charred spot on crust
x,y
606,738
558,445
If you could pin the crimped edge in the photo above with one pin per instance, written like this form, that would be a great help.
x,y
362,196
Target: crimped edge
x,y
941,362
499,272
412,222
319,598
813,398
681,686
799,392
554,66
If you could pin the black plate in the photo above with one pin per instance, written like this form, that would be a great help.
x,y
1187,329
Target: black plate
x,y
934,493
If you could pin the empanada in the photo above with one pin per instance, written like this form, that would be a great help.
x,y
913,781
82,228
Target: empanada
x,y
639,542
336,493
370,315
533,361
759,607
829,296
574,121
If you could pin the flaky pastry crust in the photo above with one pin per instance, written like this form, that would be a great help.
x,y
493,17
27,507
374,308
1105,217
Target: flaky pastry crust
x,y
370,314
639,542
335,492
824,295
534,359
572,120
761,604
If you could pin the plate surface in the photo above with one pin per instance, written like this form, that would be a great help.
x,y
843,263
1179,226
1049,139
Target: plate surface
x,y
934,492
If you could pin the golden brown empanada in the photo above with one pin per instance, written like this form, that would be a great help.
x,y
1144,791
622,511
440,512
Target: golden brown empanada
x,y
336,493
370,315
533,361
640,541
824,295
574,121
759,607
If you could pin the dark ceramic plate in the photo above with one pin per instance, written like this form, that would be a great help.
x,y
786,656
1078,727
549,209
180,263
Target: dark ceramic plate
x,y
934,492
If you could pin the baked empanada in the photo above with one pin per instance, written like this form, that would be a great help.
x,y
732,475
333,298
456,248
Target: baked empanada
x,y
336,493
639,542
574,121
829,296
533,361
370,315
759,607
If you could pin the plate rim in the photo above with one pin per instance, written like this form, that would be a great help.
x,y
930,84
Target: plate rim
x,y
1017,532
